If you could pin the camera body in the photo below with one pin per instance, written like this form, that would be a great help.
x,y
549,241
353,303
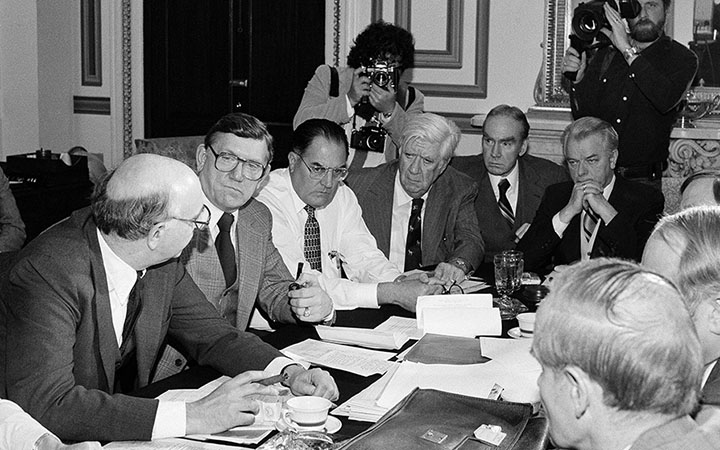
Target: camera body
x,y
589,18
382,73
370,138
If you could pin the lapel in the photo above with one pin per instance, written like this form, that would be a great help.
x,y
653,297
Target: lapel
x,y
618,201
154,293
250,263
109,350
527,189
711,390
438,205
380,194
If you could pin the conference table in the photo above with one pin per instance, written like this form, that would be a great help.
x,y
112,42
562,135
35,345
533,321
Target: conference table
x,y
349,384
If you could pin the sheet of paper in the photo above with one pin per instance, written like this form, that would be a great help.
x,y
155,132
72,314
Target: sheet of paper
x,y
406,325
514,355
165,444
250,434
459,315
363,405
475,380
363,337
360,361
191,395
474,285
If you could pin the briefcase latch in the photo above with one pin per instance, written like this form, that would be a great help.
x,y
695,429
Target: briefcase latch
x,y
490,434
434,436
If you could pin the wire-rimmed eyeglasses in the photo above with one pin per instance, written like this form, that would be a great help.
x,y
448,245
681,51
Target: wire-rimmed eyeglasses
x,y
317,172
227,162
200,224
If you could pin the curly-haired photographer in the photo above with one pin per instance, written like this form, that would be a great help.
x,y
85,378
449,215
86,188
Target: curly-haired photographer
x,y
369,97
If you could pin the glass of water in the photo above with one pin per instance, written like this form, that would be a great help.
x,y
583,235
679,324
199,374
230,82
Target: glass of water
x,y
508,275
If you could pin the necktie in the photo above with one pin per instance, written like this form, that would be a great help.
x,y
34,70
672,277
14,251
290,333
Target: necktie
x,y
504,203
225,249
413,251
312,240
589,223
134,305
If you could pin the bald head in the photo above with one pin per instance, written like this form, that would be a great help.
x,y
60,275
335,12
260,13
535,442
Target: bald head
x,y
143,190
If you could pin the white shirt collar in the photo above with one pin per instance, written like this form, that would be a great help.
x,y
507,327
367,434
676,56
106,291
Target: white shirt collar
x,y
512,177
400,197
215,214
609,188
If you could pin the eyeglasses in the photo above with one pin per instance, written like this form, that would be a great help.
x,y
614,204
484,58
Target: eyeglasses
x,y
199,224
454,288
318,172
227,162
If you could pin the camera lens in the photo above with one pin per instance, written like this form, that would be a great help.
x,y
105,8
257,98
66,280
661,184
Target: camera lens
x,y
381,78
375,142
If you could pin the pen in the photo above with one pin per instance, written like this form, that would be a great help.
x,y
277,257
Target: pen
x,y
300,269
295,285
272,380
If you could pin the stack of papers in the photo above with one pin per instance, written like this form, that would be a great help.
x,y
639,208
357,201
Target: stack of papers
x,y
466,315
405,325
387,340
363,406
360,361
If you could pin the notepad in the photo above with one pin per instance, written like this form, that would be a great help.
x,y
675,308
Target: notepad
x,y
466,315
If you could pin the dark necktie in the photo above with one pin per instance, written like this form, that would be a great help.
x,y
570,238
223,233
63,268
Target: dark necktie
x,y
504,203
225,249
413,251
134,305
591,219
312,240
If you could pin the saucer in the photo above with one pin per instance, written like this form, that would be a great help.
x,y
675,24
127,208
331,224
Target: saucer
x,y
515,333
332,425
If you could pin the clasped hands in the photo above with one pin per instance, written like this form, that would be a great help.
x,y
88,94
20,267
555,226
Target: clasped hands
x,y
234,402
588,195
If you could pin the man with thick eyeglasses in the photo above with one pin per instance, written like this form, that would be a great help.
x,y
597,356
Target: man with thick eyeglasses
x,y
90,302
317,220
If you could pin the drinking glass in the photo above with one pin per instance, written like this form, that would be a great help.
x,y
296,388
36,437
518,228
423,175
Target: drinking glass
x,y
508,275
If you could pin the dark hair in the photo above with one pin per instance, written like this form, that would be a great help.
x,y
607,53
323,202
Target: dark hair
x,y
513,113
306,132
666,3
241,125
380,39
704,173
129,218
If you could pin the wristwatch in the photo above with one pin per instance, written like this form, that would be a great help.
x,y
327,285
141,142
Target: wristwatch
x,y
630,52
460,264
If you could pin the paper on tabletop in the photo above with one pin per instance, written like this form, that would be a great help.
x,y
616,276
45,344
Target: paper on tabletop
x,y
386,340
406,325
360,361
467,315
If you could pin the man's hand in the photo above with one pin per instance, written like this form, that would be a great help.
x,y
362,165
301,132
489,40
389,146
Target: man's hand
x,y
360,86
48,441
449,274
405,293
228,405
574,205
574,62
618,35
594,199
310,303
383,98
311,382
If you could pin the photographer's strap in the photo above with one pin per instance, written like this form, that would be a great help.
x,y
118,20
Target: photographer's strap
x,y
334,82
411,96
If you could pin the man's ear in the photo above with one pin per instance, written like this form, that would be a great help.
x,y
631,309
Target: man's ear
x,y
292,161
524,148
155,234
714,317
200,157
613,158
580,389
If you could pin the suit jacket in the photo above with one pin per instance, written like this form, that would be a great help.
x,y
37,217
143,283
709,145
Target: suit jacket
x,y
639,206
261,273
682,433
449,227
711,391
534,176
60,349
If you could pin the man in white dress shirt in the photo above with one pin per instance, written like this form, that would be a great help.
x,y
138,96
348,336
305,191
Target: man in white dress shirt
x,y
317,220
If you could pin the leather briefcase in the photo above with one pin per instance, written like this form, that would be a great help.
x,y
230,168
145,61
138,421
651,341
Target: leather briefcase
x,y
431,419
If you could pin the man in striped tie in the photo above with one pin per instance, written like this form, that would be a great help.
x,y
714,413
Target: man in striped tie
x,y
595,214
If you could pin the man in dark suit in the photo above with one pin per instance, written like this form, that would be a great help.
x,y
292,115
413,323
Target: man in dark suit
x,y
595,214
90,302
684,248
505,172
444,222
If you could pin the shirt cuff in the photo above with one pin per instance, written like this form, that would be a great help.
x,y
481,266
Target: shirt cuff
x,y
363,295
349,107
279,363
170,420
558,225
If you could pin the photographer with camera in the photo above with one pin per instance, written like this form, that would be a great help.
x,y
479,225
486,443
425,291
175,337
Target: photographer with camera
x,y
635,80
369,98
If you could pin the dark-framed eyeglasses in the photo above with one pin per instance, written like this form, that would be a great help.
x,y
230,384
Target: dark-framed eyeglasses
x,y
227,162
317,172
201,222
454,288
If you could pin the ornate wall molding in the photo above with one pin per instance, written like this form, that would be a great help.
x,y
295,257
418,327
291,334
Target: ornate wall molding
x,y
693,149
127,79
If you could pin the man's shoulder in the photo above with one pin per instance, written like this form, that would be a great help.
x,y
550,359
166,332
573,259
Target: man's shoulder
x,y
471,165
541,170
456,180
359,180
637,192
254,211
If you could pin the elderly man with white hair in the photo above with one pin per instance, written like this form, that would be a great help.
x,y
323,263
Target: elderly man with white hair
x,y
621,361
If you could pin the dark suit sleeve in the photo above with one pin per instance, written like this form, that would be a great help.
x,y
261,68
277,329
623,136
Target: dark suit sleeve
x,y
540,240
44,316
12,228
208,338
640,215
469,243
275,283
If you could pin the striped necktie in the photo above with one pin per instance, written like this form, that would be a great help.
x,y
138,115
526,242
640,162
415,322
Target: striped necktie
x,y
589,223
312,240
413,250
504,203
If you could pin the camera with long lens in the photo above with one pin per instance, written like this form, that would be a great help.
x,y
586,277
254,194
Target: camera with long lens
x,y
370,138
382,73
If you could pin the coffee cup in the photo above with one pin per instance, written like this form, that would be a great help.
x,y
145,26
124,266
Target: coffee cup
x,y
307,412
527,323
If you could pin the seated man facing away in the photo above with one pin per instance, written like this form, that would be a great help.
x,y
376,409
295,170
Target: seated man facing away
x,y
19,431
684,247
232,162
511,182
90,302
317,220
595,214
621,361
419,209
700,188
